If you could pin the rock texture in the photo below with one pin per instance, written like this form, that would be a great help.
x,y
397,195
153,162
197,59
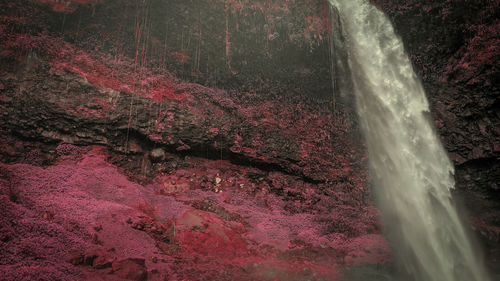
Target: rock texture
x,y
112,170
268,46
454,46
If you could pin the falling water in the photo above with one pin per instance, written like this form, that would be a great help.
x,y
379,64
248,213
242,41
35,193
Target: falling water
x,y
412,173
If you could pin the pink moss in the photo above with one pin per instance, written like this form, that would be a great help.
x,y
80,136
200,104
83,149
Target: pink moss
x,y
103,71
67,6
489,232
207,216
208,235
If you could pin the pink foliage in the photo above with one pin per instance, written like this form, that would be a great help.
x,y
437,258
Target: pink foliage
x,y
490,232
103,71
219,217
67,6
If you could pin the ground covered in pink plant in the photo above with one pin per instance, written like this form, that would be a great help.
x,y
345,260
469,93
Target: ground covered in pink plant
x,y
187,182
82,219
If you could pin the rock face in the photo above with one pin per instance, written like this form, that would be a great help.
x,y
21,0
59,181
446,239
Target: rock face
x,y
242,45
111,170
454,46
163,140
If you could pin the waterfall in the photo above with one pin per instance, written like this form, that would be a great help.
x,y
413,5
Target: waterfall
x,y
412,174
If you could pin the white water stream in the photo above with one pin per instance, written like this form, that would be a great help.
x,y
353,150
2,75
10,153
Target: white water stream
x,y
410,168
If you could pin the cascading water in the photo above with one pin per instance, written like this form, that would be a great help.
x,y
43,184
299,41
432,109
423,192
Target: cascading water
x,y
410,168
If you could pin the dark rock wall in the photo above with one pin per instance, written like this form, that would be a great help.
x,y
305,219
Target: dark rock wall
x,y
265,46
455,48
146,175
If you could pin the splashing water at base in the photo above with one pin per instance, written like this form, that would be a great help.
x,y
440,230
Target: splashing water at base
x,y
410,168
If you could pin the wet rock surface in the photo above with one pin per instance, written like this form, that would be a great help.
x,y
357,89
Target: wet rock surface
x,y
454,49
147,177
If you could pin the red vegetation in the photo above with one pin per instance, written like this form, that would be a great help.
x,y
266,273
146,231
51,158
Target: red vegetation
x,y
83,211
304,215
103,71
491,233
67,6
